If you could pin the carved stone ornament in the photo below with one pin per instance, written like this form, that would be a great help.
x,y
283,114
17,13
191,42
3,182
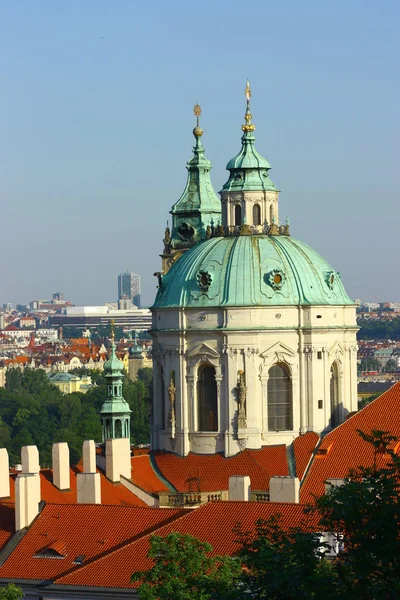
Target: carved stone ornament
x,y
204,280
172,395
330,279
276,279
242,393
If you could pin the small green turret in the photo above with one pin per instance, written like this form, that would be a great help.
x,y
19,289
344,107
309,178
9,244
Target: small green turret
x,y
198,207
115,412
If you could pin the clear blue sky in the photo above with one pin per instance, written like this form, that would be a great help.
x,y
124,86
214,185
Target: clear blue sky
x,y
96,120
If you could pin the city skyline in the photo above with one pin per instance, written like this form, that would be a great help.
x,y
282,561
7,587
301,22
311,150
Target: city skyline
x,y
106,130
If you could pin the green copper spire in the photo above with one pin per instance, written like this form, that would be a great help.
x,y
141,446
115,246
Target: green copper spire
x,y
199,206
248,169
115,412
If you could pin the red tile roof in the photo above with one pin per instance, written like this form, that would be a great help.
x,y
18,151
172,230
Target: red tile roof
x,y
343,448
213,522
144,475
7,522
111,493
303,447
80,529
211,472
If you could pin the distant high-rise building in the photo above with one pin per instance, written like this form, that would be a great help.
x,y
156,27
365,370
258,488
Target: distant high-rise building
x,y
129,287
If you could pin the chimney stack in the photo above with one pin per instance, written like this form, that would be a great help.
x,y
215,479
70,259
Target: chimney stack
x,y
27,488
284,489
89,456
4,474
239,488
118,459
88,483
60,460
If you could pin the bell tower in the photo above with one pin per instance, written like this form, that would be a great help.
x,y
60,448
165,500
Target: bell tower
x,y
115,412
198,210
249,196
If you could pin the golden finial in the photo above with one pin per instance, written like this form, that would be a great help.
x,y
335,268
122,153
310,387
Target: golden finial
x,y
248,91
248,126
112,323
197,131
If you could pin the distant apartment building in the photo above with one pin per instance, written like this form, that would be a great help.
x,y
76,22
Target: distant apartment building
x,y
129,287
92,316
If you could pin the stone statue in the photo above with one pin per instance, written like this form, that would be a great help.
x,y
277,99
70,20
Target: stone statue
x,y
172,395
242,393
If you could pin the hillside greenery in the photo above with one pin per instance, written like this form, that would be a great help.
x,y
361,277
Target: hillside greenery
x,y
379,330
34,411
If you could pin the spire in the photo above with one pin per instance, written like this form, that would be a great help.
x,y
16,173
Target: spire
x,y
115,412
248,169
248,126
199,204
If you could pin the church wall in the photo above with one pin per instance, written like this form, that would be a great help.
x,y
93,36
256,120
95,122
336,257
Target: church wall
x,y
252,340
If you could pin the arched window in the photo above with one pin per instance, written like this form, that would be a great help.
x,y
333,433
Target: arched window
x,y
107,429
118,428
207,399
271,214
280,410
115,390
335,420
256,214
238,215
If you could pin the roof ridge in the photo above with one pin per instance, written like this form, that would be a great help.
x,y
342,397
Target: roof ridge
x,y
121,545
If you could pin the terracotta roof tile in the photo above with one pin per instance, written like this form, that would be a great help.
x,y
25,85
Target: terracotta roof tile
x,y
111,493
213,522
7,522
211,472
343,448
80,529
144,475
303,447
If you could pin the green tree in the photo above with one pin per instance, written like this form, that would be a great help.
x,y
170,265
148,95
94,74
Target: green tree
x,y
284,565
184,570
365,513
11,592
369,363
391,366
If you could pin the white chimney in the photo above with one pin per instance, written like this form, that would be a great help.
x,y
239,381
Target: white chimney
x,y
88,488
239,488
4,474
118,459
89,456
284,489
26,499
30,459
332,483
60,459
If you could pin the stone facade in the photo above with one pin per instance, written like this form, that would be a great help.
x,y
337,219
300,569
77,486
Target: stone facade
x,y
307,341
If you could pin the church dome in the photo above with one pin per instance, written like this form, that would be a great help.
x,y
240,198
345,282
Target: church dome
x,y
251,270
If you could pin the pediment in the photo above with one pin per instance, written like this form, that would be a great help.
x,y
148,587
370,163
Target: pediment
x,y
336,349
278,349
204,350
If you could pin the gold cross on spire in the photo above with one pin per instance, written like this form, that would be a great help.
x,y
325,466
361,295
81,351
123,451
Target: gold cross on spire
x,y
112,323
248,91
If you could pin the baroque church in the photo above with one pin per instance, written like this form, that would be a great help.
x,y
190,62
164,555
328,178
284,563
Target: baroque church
x,y
254,335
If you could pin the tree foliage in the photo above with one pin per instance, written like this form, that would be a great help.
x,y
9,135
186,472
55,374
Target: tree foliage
x,y
11,592
379,330
34,411
184,570
361,518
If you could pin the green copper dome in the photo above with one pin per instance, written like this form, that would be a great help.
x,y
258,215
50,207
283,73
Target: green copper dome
x,y
113,366
251,270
